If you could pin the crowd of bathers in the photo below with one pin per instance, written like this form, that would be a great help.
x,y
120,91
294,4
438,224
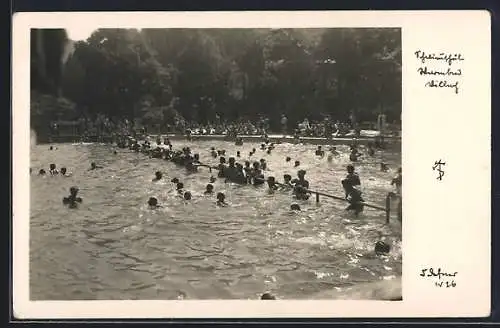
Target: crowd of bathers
x,y
243,172
237,171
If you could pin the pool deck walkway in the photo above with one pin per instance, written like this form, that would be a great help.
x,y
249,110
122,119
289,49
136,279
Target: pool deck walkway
x,y
275,138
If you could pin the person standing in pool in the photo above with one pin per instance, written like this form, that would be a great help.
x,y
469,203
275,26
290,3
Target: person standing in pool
x,y
319,152
354,197
221,167
53,170
301,186
352,178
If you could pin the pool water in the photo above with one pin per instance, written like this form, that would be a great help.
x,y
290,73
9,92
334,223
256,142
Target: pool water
x,y
114,248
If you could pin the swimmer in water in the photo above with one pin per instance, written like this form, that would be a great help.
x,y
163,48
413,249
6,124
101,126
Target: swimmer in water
x,y
41,172
175,180
269,151
371,150
263,147
238,154
333,151
297,164
263,164
295,207
115,152
288,159
257,175
53,170
65,173
93,166
153,203
287,182
158,176
267,296
384,167
354,155
381,247
210,189
319,152
187,195
179,188
271,183
72,200
221,199
397,182
212,179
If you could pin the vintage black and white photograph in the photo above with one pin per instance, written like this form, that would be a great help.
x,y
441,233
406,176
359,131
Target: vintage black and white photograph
x,y
215,164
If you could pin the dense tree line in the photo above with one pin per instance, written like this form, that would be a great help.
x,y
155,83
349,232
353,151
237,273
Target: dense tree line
x,y
156,74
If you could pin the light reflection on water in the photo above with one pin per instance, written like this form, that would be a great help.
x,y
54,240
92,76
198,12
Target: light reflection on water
x,y
114,247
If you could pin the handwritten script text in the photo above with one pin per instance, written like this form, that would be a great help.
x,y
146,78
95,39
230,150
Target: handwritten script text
x,y
437,67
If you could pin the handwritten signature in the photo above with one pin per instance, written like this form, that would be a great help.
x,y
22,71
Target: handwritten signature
x,y
433,273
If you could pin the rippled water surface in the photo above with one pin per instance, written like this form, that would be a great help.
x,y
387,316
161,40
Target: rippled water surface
x,y
113,247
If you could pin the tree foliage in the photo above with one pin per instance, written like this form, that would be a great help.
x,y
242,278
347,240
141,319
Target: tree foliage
x,y
156,74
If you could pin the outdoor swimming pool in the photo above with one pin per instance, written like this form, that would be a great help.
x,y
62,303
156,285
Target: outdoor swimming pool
x,y
114,248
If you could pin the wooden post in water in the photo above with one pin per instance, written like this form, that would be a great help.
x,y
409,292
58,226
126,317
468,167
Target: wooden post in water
x,y
317,198
387,208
